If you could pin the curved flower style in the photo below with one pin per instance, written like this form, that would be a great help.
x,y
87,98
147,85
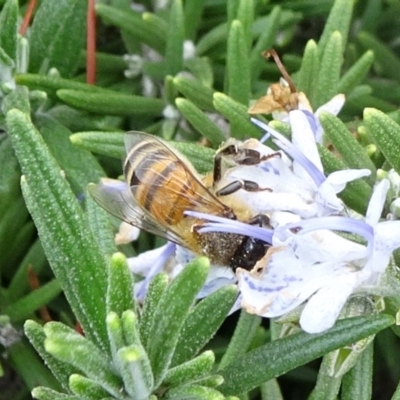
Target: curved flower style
x,y
309,263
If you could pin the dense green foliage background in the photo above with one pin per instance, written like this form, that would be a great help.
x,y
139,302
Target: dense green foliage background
x,y
61,133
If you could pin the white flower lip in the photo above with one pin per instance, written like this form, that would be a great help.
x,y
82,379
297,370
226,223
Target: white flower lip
x,y
310,264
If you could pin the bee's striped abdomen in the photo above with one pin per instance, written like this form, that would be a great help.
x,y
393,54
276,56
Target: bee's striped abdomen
x,y
149,173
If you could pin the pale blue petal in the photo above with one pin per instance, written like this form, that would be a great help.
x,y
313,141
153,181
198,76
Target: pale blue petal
x,y
338,179
387,239
377,202
158,264
343,224
323,308
304,140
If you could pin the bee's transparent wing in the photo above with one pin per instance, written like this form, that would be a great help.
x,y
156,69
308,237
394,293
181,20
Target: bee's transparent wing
x,y
115,197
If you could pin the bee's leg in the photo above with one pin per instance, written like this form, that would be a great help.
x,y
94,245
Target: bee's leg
x,y
234,186
217,173
219,160
262,220
269,156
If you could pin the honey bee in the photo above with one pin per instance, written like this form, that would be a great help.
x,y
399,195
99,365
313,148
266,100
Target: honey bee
x,y
160,185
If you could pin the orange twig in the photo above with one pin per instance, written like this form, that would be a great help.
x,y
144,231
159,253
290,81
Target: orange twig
x,y
35,284
78,328
272,53
27,17
91,44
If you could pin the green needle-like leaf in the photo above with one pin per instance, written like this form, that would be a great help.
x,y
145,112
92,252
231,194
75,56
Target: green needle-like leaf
x,y
115,336
339,20
264,42
18,99
202,70
28,365
60,369
200,121
111,104
327,387
24,307
156,289
136,372
245,14
107,143
386,134
192,17
271,390
191,370
99,224
241,340
170,314
120,285
195,392
396,394
170,92
130,327
288,353
43,393
86,388
50,84
387,60
12,224
356,73
388,90
200,95
8,28
357,383
133,23
201,157
68,243
17,244
85,357
212,38
237,64
9,176
58,31
175,37
79,166
211,381
347,146
236,113
309,70
203,322
232,10
329,71
357,104
157,25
